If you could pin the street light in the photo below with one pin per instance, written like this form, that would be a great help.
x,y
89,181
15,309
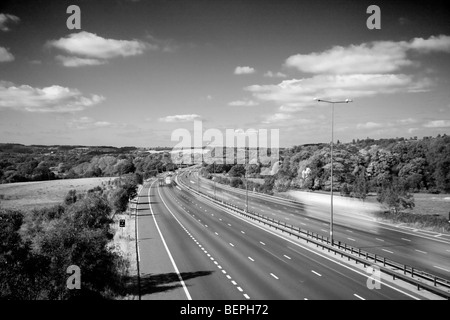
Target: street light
x,y
331,154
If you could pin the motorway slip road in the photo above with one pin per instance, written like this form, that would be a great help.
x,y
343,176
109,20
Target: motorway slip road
x,y
192,249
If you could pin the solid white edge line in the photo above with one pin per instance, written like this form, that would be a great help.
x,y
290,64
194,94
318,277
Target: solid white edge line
x,y
359,297
314,252
165,244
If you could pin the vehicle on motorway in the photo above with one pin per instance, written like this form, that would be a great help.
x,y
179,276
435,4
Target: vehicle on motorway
x,y
168,180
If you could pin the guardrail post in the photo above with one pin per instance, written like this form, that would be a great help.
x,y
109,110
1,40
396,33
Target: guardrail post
x,y
375,258
404,269
359,252
384,262
434,281
412,272
367,255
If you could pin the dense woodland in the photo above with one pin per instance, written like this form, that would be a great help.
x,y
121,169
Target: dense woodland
x,y
390,167
19,163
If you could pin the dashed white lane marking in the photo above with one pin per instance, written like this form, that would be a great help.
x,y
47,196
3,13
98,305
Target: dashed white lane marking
x,y
287,257
379,239
351,239
323,230
304,224
349,231
274,276
442,268
229,224
286,218
216,233
242,232
220,219
234,282
406,239
305,298
316,273
206,225
251,259
421,251
203,249
306,218
359,297
262,243
387,250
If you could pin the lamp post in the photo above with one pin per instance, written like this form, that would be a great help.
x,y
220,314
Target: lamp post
x,y
214,178
331,155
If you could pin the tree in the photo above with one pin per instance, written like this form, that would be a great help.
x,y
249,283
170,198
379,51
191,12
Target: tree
x,y
119,200
237,170
394,195
360,187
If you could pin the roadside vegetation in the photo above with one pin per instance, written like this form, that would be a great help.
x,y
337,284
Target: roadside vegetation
x,y
393,169
38,246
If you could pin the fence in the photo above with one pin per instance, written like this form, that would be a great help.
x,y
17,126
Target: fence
x,y
439,286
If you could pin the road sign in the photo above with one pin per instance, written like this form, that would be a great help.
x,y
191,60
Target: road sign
x,y
122,223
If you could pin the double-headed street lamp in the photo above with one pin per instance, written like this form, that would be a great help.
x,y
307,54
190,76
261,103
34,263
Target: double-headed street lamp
x,y
331,154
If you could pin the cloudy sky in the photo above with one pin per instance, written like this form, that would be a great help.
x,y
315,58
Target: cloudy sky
x,y
138,70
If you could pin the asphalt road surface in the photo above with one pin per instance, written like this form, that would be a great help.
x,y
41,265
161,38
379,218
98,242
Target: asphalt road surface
x,y
211,254
427,251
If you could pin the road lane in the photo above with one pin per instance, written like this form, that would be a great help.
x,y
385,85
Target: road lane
x,y
295,278
363,232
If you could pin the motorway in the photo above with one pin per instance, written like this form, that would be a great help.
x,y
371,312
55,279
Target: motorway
x,y
427,251
218,255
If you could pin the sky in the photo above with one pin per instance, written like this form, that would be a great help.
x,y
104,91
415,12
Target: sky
x,y
137,70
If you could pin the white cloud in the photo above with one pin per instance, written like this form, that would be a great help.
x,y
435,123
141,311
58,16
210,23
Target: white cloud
x,y
49,99
377,57
373,57
432,44
244,70
369,125
88,123
78,62
407,121
270,74
92,46
243,103
277,117
5,55
6,19
299,93
180,118
437,124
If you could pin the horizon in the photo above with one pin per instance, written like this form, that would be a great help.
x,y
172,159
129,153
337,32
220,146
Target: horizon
x,y
205,146
137,71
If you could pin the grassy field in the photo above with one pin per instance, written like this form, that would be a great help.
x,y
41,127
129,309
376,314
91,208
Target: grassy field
x,y
432,204
29,195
